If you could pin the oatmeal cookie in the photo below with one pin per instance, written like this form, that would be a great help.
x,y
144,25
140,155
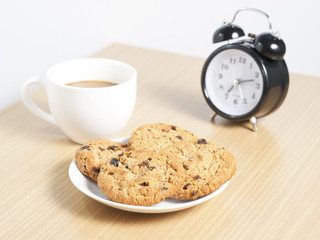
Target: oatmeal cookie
x,y
159,136
207,166
91,155
142,178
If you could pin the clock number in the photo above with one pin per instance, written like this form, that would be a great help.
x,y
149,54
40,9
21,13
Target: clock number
x,y
224,66
226,96
233,61
251,65
253,96
256,74
242,60
244,101
257,85
235,101
221,87
220,76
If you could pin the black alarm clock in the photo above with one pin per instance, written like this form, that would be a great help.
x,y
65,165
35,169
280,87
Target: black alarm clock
x,y
247,77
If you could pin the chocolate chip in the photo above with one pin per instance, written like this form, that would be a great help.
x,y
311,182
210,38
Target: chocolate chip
x,y
113,147
179,137
101,149
144,163
207,184
114,162
127,167
97,170
186,186
197,177
194,193
85,147
173,128
165,188
185,167
144,184
121,154
151,168
202,141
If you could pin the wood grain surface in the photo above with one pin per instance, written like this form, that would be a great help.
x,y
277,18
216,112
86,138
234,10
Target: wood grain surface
x,y
275,193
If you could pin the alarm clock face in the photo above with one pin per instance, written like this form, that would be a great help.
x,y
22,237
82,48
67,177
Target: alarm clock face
x,y
233,82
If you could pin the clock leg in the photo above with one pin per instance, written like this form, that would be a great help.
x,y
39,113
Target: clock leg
x,y
213,116
253,120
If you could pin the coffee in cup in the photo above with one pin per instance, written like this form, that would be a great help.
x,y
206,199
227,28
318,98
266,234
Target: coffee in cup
x,y
91,84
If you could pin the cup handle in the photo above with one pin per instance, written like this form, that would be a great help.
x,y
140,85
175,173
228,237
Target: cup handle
x,y
30,104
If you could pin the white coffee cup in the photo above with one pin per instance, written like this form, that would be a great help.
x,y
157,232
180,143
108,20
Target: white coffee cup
x,y
85,114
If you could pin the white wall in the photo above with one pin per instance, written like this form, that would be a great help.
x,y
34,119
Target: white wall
x,y
35,34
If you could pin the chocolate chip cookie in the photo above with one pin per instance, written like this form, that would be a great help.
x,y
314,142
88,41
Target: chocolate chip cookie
x,y
159,136
141,178
90,156
207,166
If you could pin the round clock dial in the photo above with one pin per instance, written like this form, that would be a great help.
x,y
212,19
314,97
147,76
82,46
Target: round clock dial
x,y
234,82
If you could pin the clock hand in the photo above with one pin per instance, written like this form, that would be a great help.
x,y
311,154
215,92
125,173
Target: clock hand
x,y
247,80
235,83
229,90
240,91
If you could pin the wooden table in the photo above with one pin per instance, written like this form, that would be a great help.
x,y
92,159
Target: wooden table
x,y
275,193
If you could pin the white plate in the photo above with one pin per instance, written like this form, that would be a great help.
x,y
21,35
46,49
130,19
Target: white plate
x,y
89,187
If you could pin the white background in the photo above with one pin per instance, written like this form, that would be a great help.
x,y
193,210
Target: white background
x,y
36,34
